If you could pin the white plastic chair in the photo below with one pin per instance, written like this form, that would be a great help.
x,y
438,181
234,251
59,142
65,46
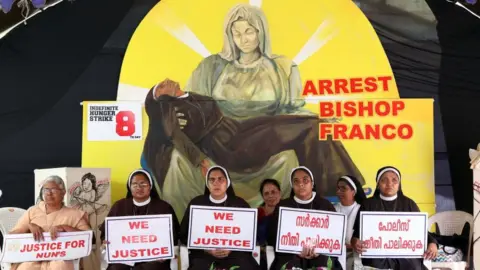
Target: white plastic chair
x,y
184,260
449,223
173,262
8,219
357,264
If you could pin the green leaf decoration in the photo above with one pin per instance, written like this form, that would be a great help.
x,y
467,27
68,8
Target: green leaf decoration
x,y
212,266
234,267
330,263
284,266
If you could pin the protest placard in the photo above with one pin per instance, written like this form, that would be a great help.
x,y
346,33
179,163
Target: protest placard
x,y
393,234
19,248
222,228
139,238
313,228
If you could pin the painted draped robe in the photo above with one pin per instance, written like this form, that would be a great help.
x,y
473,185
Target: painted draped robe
x,y
267,87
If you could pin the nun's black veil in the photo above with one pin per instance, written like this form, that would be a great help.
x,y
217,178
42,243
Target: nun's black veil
x,y
377,190
153,191
360,196
230,191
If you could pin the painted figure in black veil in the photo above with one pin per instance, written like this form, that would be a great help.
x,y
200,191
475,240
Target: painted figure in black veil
x,y
240,146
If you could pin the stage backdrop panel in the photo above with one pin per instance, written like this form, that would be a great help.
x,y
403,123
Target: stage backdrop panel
x,y
412,156
89,190
298,57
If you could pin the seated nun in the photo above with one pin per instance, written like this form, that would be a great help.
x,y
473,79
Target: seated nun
x,y
351,196
219,193
303,197
50,215
388,197
142,199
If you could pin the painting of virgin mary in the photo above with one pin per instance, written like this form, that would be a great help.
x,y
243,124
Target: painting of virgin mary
x,y
246,81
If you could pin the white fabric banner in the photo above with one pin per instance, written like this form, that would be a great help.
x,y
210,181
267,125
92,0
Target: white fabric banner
x,y
134,239
222,228
19,248
394,234
313,228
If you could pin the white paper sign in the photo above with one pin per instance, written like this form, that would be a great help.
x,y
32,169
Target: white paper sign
x,y
19,248
302,227
119,121
139,238
222,228
393,234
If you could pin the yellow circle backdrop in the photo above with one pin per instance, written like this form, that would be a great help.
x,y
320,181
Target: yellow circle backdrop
x,y
350,48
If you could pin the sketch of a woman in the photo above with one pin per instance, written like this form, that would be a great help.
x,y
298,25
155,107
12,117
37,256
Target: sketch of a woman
x,y
247,81
86,195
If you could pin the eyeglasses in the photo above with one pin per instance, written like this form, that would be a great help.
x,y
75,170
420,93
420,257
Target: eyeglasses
x,y
135,185
52,190
304,181
220,180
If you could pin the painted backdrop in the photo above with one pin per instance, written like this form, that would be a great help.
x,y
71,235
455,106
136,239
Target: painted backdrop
x,y
279,74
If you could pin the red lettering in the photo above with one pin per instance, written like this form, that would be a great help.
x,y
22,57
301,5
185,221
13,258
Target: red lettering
x,y
125,123
309,89
138,225
218,216
326,110
222,242
350,108
384,81
341,86
142,252
222,216
325,86
222,229
75,244
356,84
370,84
325,130
51,254
138,239
340,131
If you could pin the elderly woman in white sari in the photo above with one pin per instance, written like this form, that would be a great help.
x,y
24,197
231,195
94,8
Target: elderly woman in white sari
x,y
247,81
50,215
